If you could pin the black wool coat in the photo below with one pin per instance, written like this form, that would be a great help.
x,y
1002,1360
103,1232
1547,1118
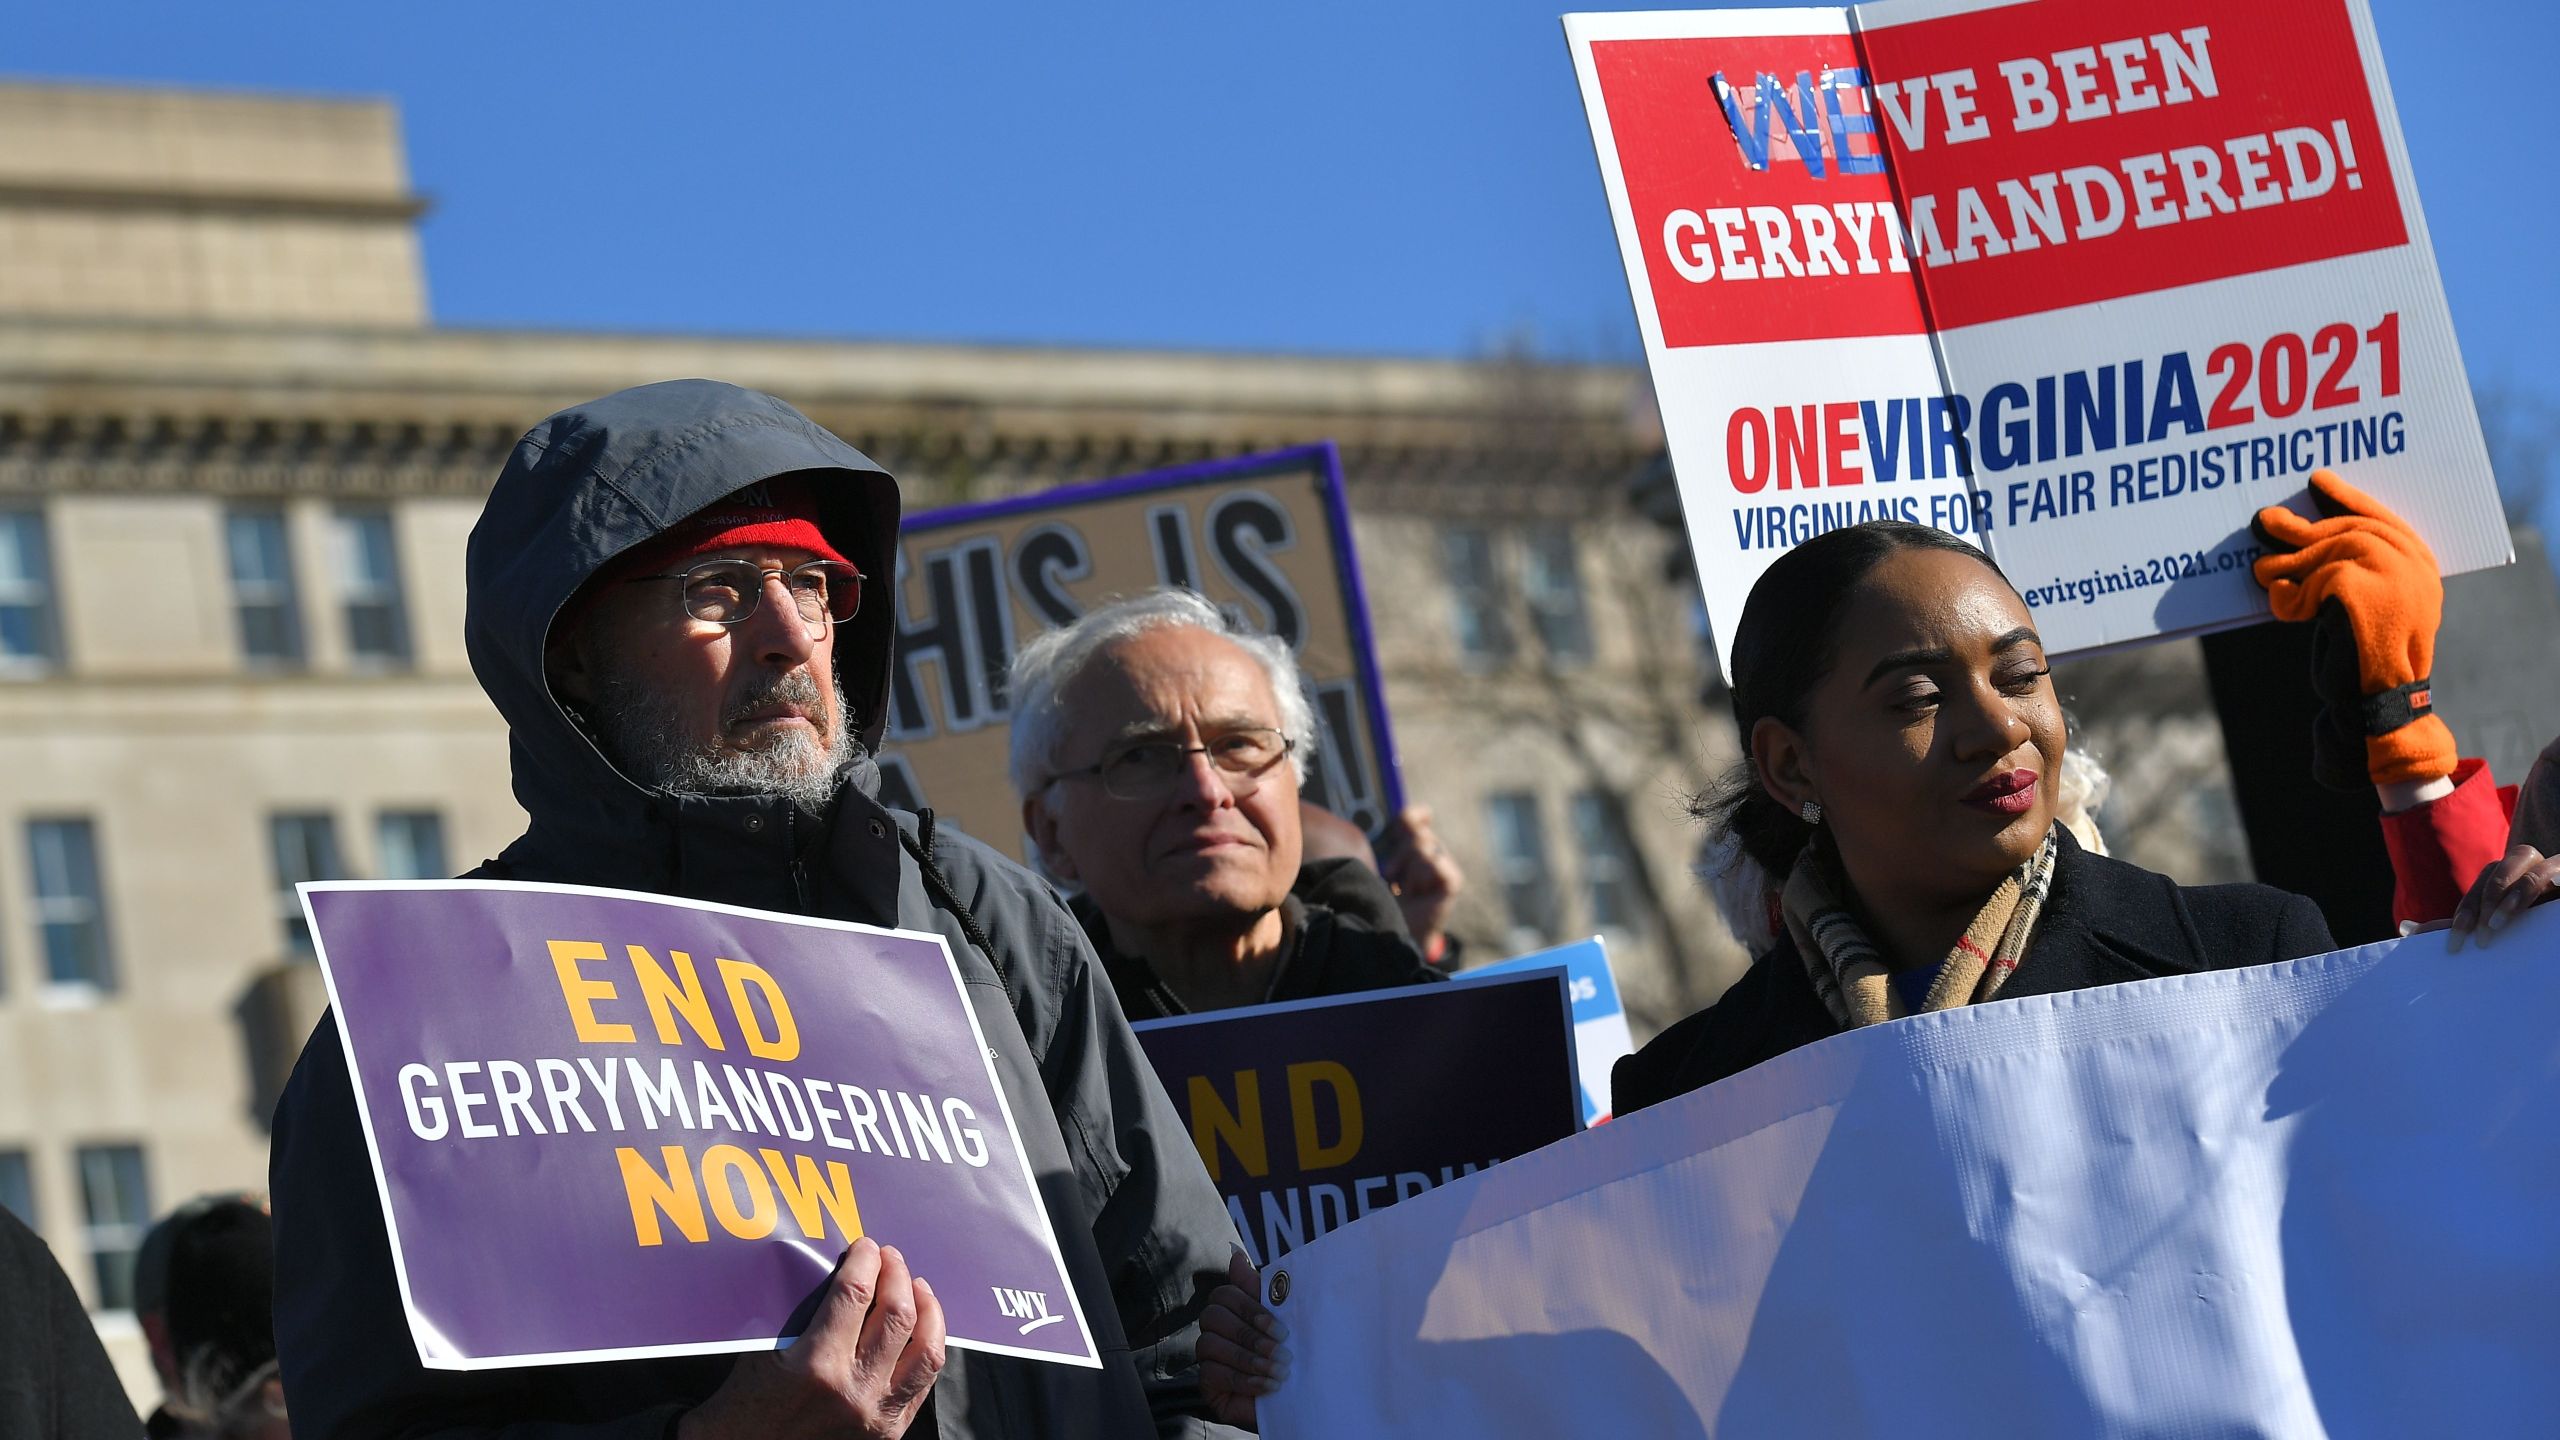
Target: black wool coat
x,y
1330,953
56,1382
2104,923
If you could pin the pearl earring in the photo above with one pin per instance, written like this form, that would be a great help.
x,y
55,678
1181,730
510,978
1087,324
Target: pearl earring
x,y
1812,812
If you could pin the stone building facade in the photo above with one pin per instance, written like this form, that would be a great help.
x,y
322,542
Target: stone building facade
x,y
237,469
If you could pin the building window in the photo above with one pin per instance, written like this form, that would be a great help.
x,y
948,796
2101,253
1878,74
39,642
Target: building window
x,y
305,848
71,909
262,588
409,845
1552,585
115,1203
18,1187
1520,867
29,642
369,572
1610,880
1476,588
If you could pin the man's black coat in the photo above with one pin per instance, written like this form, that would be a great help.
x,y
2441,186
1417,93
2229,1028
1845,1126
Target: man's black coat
x,y
55,1380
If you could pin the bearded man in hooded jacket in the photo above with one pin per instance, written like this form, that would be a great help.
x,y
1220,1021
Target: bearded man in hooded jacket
x,y
712,738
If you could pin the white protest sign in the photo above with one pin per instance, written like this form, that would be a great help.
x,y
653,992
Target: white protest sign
x,y
2087,285
2297,1199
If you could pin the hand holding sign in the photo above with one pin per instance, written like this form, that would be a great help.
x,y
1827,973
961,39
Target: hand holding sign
x,y
2363,575
1424,875
2504,891
1241,1358
865,1362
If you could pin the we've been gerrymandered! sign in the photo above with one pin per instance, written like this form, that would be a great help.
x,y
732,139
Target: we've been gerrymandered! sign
x,y
2088,285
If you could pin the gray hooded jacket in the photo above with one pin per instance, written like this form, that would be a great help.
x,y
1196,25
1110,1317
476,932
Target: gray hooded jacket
x,y
1138,1219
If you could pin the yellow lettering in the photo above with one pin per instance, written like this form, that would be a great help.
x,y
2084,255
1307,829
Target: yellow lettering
x,y
1241,1128
583,993
785,1044
805,1193
718,1164
1303,1080
651,1192
669,998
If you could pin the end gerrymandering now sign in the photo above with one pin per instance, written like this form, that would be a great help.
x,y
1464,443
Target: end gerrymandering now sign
x,y
2086,285
1265,536
607,1125
1313,1113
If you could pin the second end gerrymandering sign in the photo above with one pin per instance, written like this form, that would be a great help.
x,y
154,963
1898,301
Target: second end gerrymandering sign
x,y
1311,1114
607,1125
2087,285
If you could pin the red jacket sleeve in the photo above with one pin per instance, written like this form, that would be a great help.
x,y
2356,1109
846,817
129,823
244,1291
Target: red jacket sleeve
x,y
2440,847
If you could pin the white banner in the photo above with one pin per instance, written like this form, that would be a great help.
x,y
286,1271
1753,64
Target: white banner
x,y
2302,1199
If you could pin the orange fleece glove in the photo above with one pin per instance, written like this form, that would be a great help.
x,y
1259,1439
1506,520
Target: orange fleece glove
x,y
2372,587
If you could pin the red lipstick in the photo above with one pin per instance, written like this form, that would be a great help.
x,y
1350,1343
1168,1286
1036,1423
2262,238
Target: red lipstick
x,y
2012,792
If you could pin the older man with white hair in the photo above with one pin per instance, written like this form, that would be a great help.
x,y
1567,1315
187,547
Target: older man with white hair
x,y
1158,747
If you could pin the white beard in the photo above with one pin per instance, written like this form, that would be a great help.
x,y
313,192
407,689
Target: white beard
x,y
640,730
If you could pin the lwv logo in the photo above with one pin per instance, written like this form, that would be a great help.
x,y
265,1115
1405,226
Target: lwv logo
x,y
1029,1306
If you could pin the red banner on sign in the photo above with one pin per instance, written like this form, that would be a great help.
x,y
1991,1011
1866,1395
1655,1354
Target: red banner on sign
x,y
1988,165
1804,247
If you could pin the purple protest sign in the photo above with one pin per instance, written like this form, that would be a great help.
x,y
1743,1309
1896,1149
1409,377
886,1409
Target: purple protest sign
x,y
607,1125
1309,1114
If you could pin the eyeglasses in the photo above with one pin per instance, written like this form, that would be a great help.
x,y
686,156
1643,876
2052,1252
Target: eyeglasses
x,y
726,592
1151,768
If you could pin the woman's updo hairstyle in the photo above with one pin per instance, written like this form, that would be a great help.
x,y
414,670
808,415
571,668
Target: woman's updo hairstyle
x,y
1783,648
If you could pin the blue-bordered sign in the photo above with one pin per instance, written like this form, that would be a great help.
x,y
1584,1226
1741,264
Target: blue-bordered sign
x,y
1268,536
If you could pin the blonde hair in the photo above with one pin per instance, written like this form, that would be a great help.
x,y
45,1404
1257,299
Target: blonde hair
x,y
2078,797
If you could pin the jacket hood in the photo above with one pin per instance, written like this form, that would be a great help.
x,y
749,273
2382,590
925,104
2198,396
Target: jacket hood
x,y
598,479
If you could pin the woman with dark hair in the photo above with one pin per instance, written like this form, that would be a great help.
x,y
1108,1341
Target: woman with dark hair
x,y
1902,750
221,1318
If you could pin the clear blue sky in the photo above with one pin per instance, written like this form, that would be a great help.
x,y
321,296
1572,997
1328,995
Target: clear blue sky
x,y
1383,177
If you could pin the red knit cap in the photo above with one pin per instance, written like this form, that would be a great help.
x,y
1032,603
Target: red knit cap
x,y
782,513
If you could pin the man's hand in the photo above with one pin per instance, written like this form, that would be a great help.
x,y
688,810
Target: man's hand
x,y
2504,891
861,1368
1240,1355
1424,876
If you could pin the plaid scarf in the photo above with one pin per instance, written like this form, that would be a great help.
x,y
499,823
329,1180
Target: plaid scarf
x,y
1850,974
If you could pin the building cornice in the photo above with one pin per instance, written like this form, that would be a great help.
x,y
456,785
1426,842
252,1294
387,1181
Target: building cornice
x,y
165,199
230,362
145,407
